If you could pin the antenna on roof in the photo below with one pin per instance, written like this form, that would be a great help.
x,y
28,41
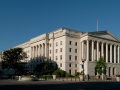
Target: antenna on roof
x,y
97,23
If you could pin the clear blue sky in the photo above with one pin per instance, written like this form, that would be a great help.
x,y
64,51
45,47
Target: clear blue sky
x,y
21,20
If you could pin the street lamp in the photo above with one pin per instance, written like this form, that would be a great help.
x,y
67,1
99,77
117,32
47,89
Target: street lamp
x,y
83,60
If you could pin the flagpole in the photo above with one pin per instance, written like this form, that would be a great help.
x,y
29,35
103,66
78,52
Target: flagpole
x,y
97,23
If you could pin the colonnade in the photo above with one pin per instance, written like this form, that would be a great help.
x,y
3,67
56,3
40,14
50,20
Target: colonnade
x,y
93,50
39,50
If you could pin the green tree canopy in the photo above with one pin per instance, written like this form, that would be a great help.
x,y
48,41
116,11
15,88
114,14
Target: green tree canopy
x,y
46,68
100,66
12,58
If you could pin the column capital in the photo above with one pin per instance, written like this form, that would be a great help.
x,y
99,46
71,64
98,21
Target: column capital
x,y
87,40
93,40
115,45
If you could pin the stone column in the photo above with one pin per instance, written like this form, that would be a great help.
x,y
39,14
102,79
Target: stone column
x,y
118,55
106,52
110,53
36,50
46,50
102,50
82,50
97,50
31,52
92,50
87,50
114,53
40,50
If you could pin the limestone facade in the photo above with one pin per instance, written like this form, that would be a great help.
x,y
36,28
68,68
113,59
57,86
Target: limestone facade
x,y
68,47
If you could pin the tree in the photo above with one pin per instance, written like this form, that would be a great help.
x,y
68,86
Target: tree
x,y
46,68
12,58
100,66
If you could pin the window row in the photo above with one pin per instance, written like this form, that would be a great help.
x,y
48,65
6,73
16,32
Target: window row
x,y
56,50
70,71
70,50
70,65
56,43
70,43
57,57
70,57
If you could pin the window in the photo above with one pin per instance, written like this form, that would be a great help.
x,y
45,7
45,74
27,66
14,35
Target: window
x,y
60,64
75,65
70,42
50,51
50,58
60,42
60,57
56,50
70,49
70,57
75,50
70,65
56,57
56,43
69,71
75,43
75,57
60,49
75,71
50,44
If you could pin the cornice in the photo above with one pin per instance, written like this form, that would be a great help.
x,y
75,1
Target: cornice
x,y
104,38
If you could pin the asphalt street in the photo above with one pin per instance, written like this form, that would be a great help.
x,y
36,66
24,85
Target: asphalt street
x,y
57,85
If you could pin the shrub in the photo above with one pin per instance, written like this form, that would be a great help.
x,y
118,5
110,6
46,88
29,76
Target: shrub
x,y
67,75
77,73
46,76
56,72
76,76
60,73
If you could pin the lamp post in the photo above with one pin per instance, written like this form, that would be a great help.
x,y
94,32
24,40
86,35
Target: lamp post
x,y
83,60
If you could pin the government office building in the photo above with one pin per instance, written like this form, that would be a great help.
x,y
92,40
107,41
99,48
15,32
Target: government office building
x,y
69,47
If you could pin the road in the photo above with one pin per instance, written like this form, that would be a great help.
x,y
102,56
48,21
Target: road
x,y
57,85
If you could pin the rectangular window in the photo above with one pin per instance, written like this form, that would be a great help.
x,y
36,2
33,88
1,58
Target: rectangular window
x,y
75,50
70,57
69,71
50,58
56,50
56,43
75,43
60,57
50,51
70,42
75,65
50,44
60,49
75,71
75,57
70,65
70,49
60,42
60,64
56,58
